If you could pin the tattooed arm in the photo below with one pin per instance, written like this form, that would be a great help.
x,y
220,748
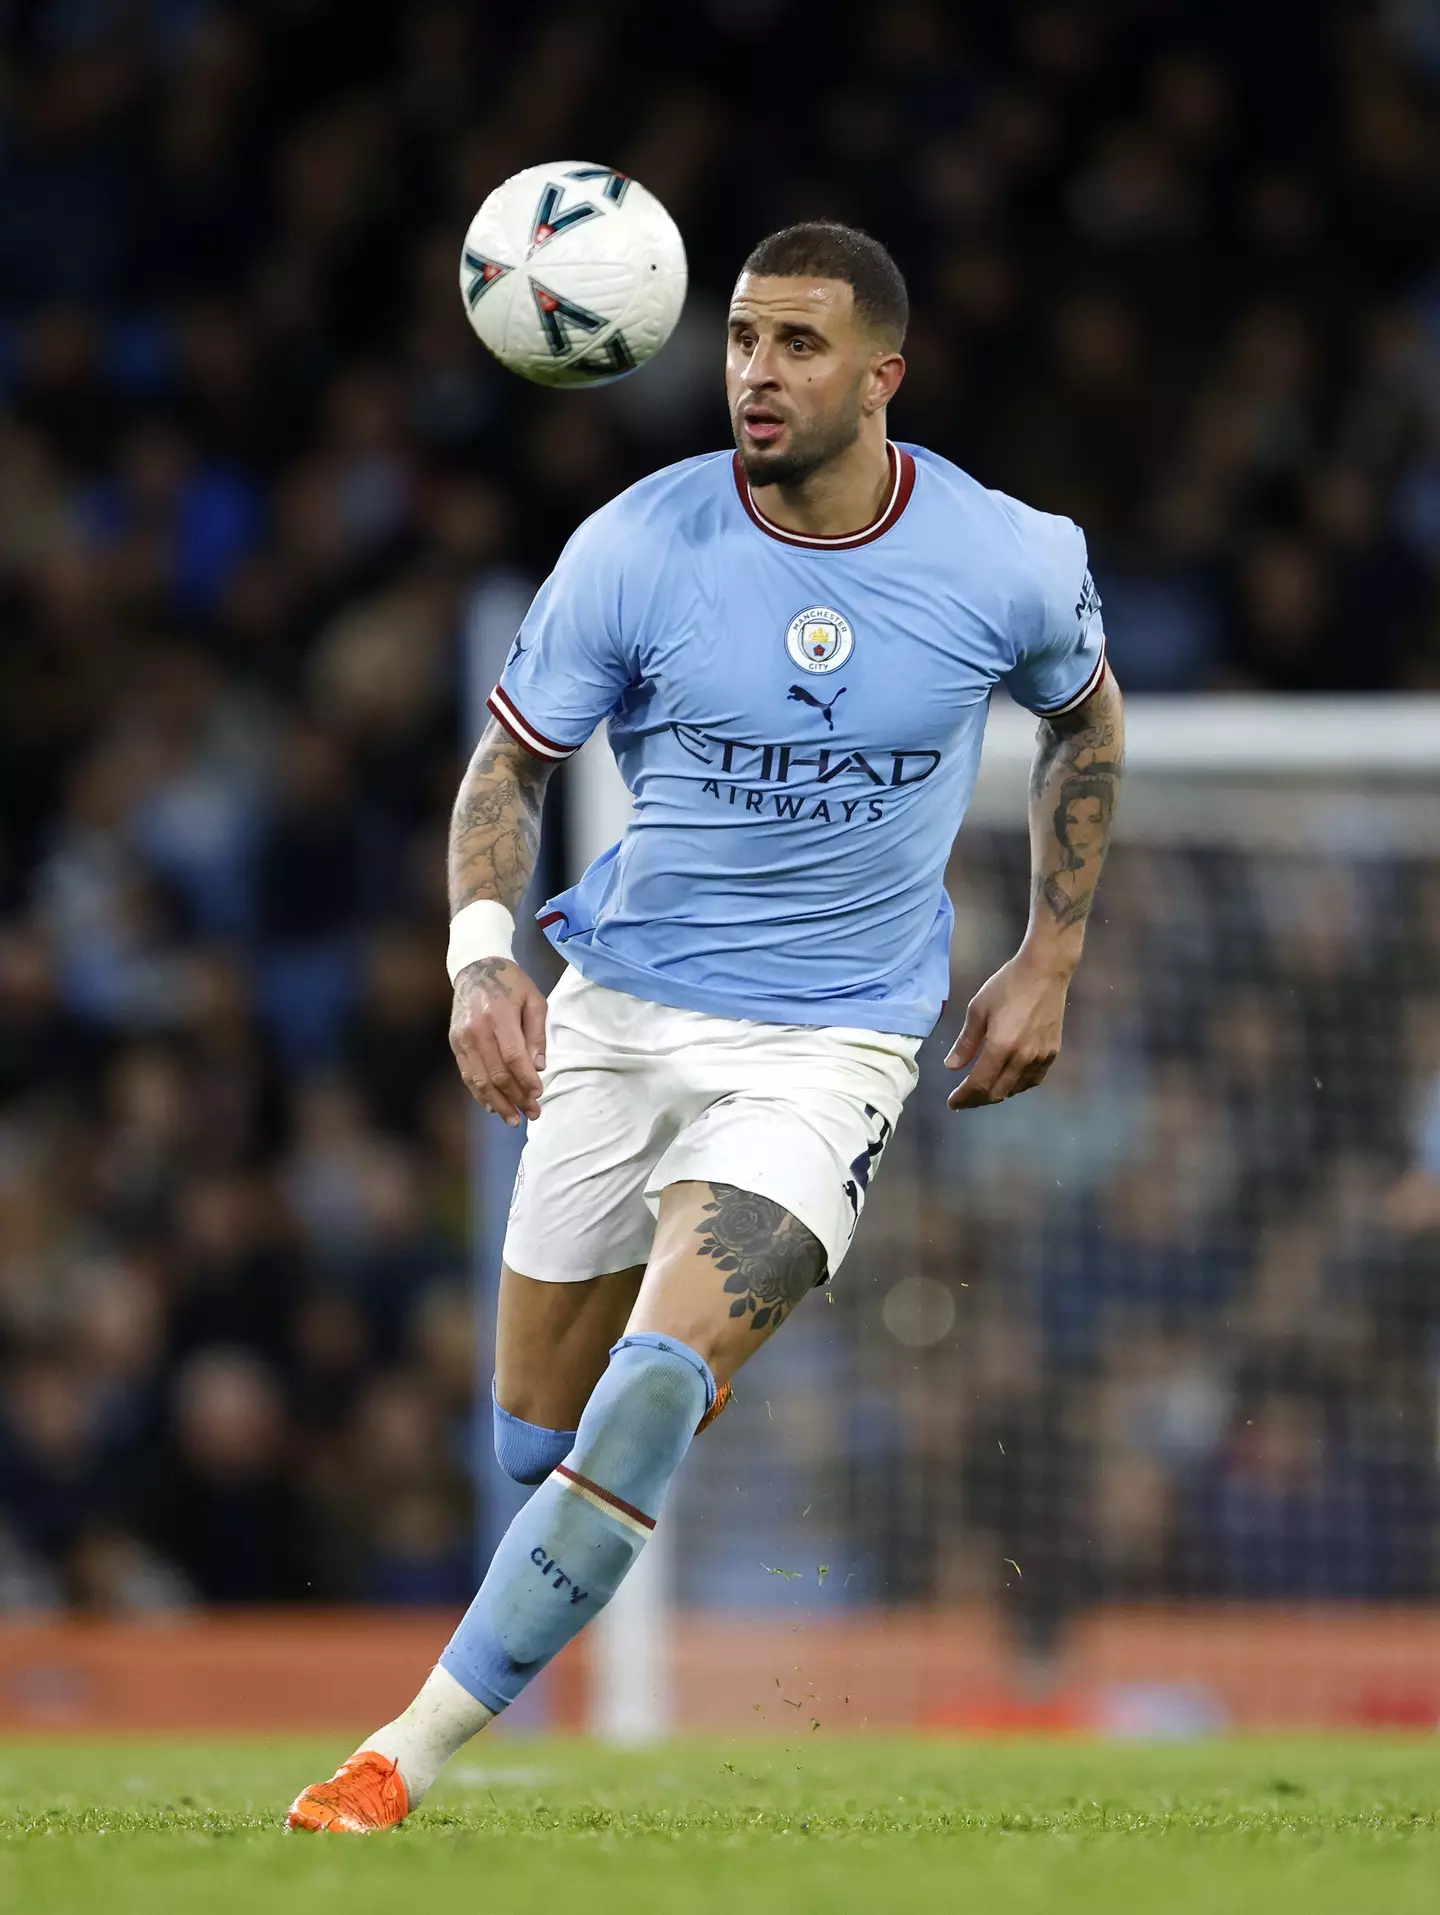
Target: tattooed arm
x,y
1074,783
497,1024
1012,1027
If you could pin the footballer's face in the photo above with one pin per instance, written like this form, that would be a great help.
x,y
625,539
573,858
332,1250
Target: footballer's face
x,y
802,372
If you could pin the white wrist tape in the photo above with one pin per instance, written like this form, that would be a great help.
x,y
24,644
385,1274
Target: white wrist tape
x,y
481,930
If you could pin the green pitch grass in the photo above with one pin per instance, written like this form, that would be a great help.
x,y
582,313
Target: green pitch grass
x,y
814,1828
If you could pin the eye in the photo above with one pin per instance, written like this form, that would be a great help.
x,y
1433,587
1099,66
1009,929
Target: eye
x,y
799,346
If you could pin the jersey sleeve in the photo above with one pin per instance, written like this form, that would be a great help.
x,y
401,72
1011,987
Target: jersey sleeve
x,y
1060,640
569,664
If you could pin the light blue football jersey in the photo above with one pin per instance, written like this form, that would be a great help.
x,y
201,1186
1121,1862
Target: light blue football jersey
x,y
799,721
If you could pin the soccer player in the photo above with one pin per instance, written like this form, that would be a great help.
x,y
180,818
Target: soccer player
x,y
794,646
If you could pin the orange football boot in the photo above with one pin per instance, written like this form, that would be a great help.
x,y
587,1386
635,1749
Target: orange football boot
x,y
364,1795
722,1397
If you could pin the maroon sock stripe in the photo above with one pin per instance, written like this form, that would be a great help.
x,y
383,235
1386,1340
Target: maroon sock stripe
x,y
615,1502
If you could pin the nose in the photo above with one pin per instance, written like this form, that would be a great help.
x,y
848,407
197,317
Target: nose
x,y
761,374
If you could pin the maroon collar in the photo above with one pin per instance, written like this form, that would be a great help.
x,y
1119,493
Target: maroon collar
x,y
902,467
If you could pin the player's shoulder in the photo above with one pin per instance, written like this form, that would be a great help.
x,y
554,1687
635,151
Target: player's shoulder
x,y
677,503
1009,533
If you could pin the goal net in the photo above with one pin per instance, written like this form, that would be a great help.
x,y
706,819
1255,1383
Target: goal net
x,y
1123,1408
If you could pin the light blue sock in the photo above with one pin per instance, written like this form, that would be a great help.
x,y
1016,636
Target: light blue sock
x,y
527,1451
570,1548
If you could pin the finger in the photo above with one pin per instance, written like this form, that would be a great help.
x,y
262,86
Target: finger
x,y
979,1086
517,1061
966,1047
1035,1075
1012,1069
470,1065
477,1045
1023,1069
1004,1068
519,1079
533,1010
1025,1072
523,1085
486,1063
1019,1081
479,1090
969,1097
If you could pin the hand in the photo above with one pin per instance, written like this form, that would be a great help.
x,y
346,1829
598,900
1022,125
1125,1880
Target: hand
x,y
497,1032
1011,1033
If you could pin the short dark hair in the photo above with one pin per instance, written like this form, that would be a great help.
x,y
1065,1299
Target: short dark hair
x,y
828,250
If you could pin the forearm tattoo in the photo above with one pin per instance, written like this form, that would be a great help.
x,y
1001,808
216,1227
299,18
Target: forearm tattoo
x,y
769,1258
1074,783
495,826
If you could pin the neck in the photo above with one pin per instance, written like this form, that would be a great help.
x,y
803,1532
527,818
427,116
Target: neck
x,y
841,496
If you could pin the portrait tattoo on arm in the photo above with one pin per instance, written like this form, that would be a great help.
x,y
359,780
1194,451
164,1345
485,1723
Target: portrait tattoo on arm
x,y
1074,783
769,1258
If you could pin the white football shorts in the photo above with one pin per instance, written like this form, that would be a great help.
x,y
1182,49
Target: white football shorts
x,y
638,1095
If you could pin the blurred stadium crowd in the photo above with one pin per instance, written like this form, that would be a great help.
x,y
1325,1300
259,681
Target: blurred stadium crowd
x,y
1175,274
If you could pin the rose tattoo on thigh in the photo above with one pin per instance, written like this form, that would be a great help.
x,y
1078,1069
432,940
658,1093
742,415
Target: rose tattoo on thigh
x,y
769,1258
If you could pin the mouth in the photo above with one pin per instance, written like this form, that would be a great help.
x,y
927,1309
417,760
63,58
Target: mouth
x,y
761,426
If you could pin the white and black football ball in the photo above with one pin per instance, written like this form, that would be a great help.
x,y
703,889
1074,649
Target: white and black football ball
x,y
573,275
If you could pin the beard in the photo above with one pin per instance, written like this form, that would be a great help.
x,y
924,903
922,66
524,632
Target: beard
x,y
813,444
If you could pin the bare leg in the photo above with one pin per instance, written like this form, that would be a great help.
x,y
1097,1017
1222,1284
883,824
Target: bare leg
x,y
552,1342
726,1270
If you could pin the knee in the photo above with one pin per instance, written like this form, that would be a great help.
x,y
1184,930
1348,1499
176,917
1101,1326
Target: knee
x,y
661,1375
640,1421
654,1393
527,1452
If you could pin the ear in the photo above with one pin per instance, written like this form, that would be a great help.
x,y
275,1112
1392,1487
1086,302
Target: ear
x,y
887,369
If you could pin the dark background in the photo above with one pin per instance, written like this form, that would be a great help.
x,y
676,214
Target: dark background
x,y
1174,271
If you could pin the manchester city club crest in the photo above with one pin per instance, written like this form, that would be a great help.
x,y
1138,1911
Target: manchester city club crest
x,y
819,639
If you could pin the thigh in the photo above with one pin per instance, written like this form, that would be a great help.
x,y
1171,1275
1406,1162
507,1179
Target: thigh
x,y
552,1342
727,1268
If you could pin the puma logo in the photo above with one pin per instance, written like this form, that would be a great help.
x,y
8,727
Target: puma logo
x,y
803,696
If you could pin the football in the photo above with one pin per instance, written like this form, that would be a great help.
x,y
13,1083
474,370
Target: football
x,y
572,274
